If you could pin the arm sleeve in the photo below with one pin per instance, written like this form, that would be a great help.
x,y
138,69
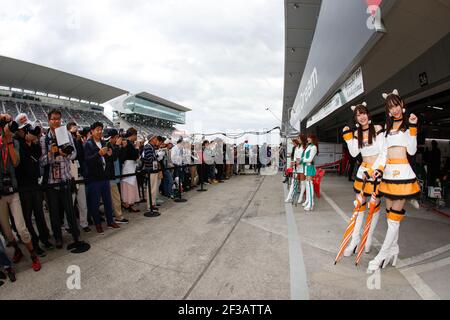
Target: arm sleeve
x,y
412,140
90,153
352,143
312,155
73,155
380,163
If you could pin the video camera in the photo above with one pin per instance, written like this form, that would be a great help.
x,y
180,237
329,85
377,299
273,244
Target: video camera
x,y
66,148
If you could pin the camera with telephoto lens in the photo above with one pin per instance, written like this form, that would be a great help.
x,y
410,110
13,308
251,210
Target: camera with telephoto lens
x,y
35,131
12,125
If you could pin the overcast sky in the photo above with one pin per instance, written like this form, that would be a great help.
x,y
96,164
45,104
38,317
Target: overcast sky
x,y
222,59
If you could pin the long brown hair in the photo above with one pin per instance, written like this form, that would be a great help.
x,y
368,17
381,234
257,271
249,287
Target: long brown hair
x,y
303,141
394,100
362,109
313,138
296,143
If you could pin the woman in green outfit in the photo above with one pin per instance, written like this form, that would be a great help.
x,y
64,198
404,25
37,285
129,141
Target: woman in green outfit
x,y
312,150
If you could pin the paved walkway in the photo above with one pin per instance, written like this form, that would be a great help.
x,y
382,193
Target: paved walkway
x,y
239,240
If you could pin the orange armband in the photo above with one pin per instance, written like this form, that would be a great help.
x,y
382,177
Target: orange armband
x,y
348,135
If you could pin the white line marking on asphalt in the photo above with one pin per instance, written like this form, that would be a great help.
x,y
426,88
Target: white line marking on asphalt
x,y
424,256
424,291
431,266
299,284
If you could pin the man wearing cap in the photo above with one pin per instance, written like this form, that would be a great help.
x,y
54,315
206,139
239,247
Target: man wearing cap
x,y
98,158
150,159
115,143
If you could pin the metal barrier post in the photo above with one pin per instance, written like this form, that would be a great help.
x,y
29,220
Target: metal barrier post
x,y
180,198
150,213
77,246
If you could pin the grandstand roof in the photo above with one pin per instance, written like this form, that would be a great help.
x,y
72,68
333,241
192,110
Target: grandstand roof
x,y
29,76
167,103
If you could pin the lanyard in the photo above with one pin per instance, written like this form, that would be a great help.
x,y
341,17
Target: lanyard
x,y
4,154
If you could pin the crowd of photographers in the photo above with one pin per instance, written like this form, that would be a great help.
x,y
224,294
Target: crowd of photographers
x,y
85,177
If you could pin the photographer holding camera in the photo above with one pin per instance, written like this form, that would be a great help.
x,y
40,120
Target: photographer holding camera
x,y
9,197
56,162
115,143
28,173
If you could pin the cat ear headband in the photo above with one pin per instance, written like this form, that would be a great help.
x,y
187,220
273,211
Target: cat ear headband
x,y
385,95
354,107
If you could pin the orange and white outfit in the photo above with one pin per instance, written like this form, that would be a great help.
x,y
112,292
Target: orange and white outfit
x,y
399,182
368,150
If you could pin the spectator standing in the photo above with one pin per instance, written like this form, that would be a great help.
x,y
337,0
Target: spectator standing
x,y
99,164
78,173
150,159
57,175
9,197
129,156
28,173
115,143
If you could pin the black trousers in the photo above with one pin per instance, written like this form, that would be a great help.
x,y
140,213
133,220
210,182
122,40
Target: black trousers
x,y
60,202
220,171
31,202
202,172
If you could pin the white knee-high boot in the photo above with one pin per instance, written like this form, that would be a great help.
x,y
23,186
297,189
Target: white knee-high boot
x,y
356,235
386,252
373,225
291,192
302,191
310,192
395,249
306,203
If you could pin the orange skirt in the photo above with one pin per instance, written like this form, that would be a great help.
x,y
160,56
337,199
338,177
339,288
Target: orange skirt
x,y
399,180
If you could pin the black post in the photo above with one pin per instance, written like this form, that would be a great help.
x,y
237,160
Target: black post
x,y
140,179
77,246
180,198
150,213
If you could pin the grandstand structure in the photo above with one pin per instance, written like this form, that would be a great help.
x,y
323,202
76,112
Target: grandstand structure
x,y
34,90
148,113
